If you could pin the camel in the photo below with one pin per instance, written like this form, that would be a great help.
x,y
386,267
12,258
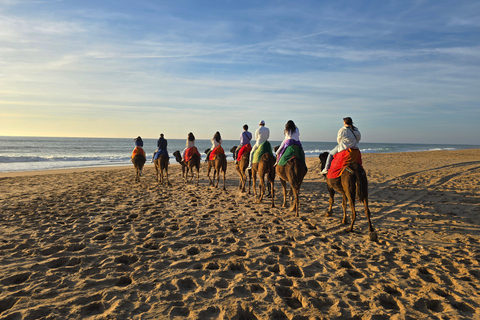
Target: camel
x,y
352,181
293,172
138,162
265,166
219,164
161,164
241,167
194,162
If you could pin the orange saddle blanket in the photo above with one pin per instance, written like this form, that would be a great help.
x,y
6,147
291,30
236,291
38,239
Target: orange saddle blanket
x,y
138,150
341,160
218,150
190,152
245,149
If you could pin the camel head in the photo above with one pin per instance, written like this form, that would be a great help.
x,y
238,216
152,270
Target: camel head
x,y
323,159
177,156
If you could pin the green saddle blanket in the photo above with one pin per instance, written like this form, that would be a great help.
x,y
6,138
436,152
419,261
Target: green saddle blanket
x,y
290,152
261,150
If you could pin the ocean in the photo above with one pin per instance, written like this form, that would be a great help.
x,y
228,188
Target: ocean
x,y
38,153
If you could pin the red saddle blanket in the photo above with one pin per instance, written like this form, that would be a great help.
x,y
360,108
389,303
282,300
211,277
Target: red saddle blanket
x,y
245,149
341,160
218,150
190,152
138,150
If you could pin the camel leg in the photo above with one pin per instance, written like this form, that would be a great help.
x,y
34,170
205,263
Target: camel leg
x,y
198,176
351,200
284,186
217,175
244,181
255,184
344,206
166,172
367,212
261,186
297,202
272,193
208,175
224,176
294,200
330,202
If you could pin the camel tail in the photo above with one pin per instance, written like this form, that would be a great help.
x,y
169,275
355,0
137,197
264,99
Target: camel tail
x,y
362,183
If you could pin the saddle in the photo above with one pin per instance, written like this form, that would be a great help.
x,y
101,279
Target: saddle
x,y
244,149
138,151
290,152
190,152
341,161
261,150
215,152
159,152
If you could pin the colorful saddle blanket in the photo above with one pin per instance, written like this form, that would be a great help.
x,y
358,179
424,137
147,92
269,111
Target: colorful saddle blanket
x,y
261,150
215,152
244,149
138,151
190,152
158,153
290,152
341,160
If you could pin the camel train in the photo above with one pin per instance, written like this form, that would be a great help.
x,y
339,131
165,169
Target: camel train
x,y
346,177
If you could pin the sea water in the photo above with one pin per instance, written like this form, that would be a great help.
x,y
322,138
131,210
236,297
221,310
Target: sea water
x,y
39,153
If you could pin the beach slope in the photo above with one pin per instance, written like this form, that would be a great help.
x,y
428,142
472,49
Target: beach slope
x,y
94,244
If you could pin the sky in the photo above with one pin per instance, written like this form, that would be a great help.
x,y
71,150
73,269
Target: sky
x,y
405,71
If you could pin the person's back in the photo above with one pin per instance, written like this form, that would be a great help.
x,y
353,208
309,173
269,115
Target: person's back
x,y
261,135
348,137
162,143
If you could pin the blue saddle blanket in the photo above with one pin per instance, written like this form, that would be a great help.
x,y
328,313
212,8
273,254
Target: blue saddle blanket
x,y
159,153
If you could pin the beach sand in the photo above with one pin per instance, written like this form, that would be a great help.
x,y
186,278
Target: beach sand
x,y
94,244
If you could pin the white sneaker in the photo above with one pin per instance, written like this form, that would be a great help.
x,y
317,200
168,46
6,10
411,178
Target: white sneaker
x,y
324,171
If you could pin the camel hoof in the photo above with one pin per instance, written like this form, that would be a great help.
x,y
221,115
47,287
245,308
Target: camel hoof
x,y
348,230
328,214
373,236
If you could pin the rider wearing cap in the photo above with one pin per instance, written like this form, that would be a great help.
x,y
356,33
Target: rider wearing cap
x,y
261,135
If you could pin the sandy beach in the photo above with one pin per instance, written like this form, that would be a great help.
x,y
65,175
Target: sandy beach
x,y
95,244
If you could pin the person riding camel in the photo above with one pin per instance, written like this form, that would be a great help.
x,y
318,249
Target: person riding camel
x,y
261,135
216,142
189,144
138,148
348,137
245,139
161,147
292,137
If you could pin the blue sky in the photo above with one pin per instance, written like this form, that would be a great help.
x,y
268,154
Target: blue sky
x,y
405,71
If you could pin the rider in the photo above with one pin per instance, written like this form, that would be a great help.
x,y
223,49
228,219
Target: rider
x,y
216,141
348,137
261,135
291,133
245,138
190,143
161,146
138,148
